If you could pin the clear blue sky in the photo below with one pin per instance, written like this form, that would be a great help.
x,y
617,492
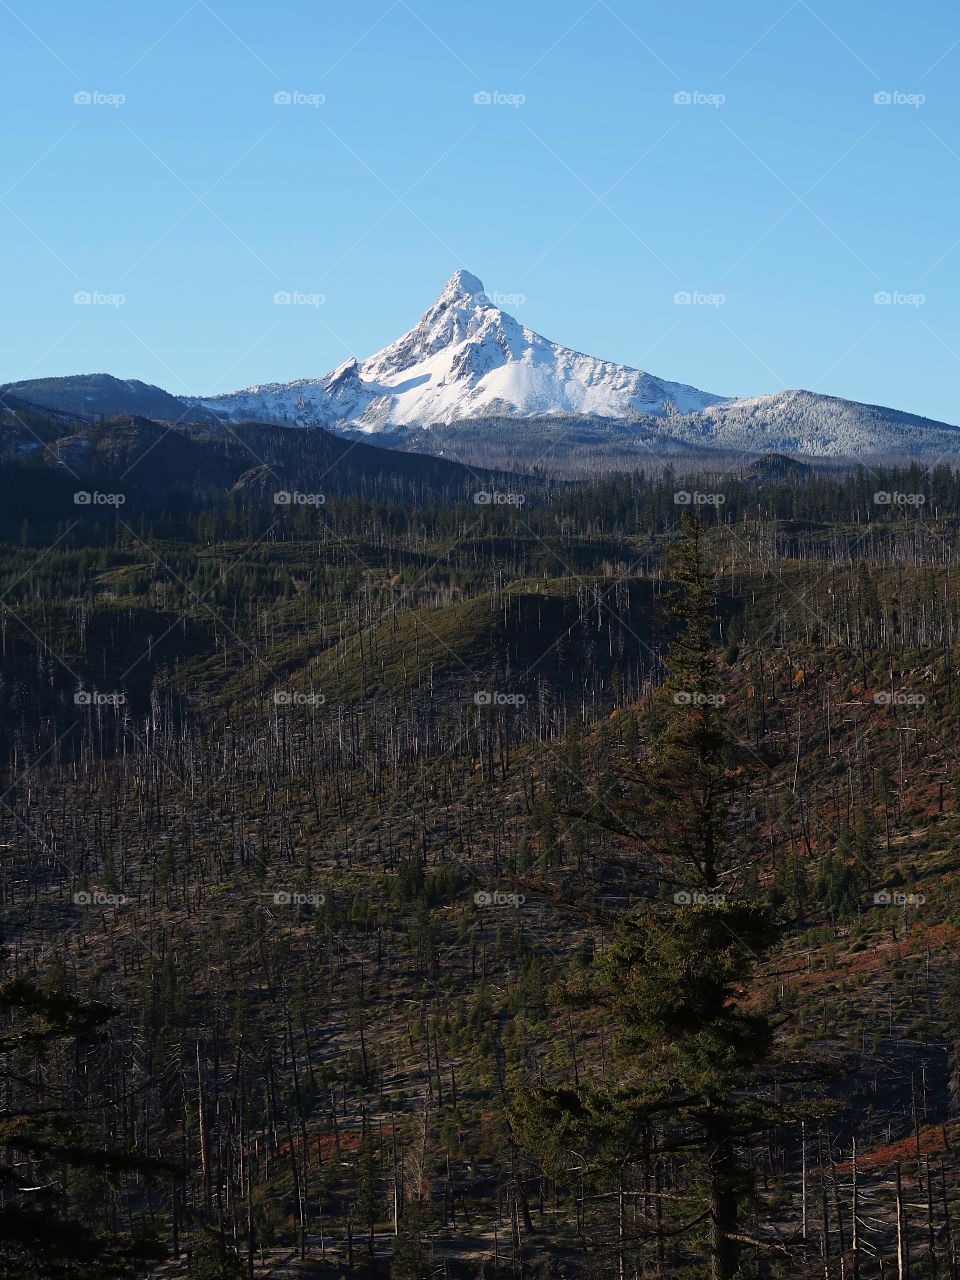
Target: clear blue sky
x,y
597,199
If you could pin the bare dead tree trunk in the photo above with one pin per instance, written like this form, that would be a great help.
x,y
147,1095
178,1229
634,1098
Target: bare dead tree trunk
x,y
903,1247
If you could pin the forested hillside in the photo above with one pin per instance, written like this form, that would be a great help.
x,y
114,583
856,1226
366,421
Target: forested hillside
x,y
471,874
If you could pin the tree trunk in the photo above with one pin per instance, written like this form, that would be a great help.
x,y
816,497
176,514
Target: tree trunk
x,y
903,1248
724,1252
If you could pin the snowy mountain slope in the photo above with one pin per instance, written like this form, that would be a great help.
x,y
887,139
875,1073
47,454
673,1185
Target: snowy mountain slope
x,y
465,358
804,422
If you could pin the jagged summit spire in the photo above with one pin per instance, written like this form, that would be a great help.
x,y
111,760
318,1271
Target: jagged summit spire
x,y
462,284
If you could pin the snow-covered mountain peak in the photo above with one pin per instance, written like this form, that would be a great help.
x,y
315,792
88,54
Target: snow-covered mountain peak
x,y
460,312
464,358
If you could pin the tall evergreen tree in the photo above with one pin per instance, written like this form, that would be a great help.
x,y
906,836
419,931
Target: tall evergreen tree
x,y
672,982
